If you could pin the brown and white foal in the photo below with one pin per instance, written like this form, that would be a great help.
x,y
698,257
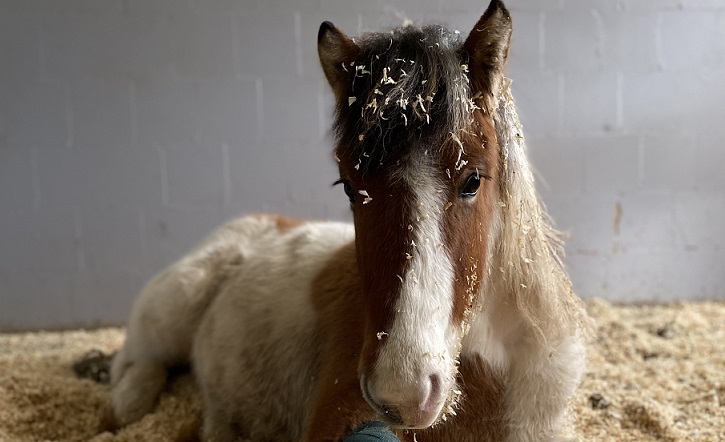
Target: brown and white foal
x,y
444,311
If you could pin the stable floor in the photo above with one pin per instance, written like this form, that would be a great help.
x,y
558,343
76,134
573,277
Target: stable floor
x,y
655,373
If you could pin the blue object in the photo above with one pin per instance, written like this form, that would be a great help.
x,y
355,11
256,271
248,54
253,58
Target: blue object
x,y
372,432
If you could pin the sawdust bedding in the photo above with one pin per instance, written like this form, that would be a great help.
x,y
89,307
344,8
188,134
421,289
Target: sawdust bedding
x,y
654,373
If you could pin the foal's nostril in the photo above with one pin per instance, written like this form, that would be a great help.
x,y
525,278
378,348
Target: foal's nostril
x,y
433,399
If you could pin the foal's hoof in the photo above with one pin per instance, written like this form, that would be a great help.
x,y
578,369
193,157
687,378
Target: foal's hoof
x,y
94,365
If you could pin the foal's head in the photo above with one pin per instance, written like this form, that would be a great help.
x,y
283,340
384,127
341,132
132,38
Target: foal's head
x,y
419,160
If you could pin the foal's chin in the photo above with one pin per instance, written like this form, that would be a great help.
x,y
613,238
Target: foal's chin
x,y
415,419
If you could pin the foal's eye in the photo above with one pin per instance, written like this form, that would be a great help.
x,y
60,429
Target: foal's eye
x,y
349,192
470,189
347,188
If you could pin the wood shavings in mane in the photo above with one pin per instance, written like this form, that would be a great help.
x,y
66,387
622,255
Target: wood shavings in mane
x,y
409,84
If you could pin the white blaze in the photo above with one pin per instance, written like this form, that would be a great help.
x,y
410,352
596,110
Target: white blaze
x,y
421,340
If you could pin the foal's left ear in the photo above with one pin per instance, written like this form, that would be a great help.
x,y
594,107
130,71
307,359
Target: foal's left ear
x,y
487,47
337,51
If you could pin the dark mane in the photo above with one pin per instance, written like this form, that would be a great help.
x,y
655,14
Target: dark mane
x,y
409,88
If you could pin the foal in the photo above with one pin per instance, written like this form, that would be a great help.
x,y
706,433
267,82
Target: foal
x,y
444,312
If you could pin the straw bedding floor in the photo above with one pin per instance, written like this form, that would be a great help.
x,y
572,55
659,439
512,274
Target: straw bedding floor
x,y
655,373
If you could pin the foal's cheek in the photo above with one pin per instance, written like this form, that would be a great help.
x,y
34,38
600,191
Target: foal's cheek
x,y
475,239
475,232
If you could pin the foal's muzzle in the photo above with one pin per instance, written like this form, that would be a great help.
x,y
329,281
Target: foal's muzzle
x,y
414,408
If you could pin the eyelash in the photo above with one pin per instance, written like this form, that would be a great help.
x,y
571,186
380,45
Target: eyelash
x,y
349,191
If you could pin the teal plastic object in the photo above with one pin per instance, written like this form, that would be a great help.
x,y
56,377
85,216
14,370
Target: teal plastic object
x,y
372,432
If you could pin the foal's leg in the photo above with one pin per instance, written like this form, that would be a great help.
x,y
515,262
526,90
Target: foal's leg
x,y
218,423
168,311
160,330
135,393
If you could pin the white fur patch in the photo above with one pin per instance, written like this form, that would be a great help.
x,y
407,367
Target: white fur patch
x,y
257,348
482,339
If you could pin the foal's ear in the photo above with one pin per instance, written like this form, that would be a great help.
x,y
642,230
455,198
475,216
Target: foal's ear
x,y
337,51
487,47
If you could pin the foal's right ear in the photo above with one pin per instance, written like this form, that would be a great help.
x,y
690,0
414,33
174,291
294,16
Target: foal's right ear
x,y
337,51
488,46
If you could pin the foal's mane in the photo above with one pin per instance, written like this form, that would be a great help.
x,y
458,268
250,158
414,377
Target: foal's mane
x,y
527,255
408,84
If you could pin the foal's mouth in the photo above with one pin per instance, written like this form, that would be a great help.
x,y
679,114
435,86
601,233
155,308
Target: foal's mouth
x,y
390,414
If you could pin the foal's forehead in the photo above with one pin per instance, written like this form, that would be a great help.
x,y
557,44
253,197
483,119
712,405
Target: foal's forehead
x,y
409,92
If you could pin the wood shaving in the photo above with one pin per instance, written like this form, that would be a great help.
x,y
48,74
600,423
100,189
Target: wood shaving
x,y
648,398
386,79
419,102
677,395
366,195
373,103
360,69
459,162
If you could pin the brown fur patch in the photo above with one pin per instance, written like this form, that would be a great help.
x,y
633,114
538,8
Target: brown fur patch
x,y
382,239
284,224
338,406
481,413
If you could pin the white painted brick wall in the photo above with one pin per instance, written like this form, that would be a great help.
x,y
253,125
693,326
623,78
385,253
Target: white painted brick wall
x,y
130,128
